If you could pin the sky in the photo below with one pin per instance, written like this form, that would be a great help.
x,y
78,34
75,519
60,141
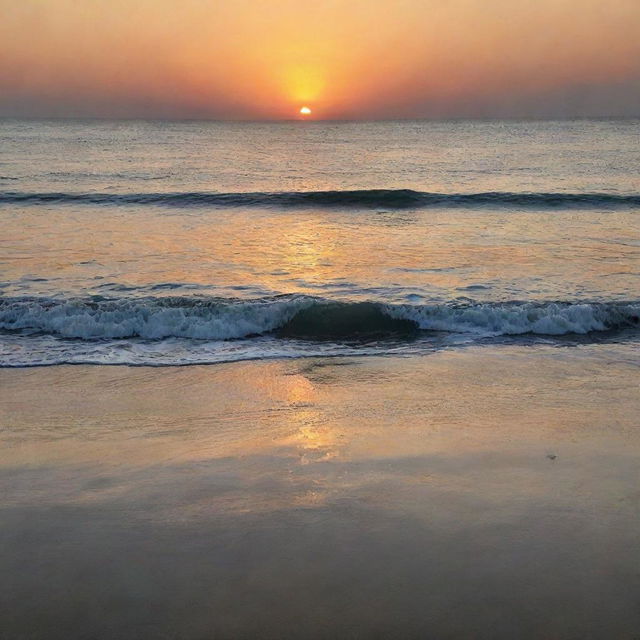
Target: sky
x,y
357,59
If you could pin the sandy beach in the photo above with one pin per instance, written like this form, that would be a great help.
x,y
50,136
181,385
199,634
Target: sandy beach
x,y
487,492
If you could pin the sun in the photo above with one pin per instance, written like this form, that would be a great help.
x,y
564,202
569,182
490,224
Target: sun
x,y
305,111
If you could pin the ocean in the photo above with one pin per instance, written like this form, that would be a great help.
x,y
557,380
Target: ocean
x,y
154,243
411,402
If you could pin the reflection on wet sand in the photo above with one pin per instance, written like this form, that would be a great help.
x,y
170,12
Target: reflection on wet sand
x,y
380,497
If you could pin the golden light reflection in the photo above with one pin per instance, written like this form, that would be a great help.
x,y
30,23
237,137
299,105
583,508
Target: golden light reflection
x,y
305,250
309,435
314,444
299,391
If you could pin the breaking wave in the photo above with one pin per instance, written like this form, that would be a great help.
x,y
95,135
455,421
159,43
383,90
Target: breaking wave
x,y
302,317
362,199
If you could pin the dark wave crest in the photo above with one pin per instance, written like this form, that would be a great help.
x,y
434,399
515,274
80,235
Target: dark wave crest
x,y
356,199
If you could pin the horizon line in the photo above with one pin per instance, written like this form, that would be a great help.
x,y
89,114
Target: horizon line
x,y
306,121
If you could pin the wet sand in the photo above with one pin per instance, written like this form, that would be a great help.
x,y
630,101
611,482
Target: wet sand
x,y
489,492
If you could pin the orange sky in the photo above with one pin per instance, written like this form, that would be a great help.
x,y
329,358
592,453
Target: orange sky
x,y
264,59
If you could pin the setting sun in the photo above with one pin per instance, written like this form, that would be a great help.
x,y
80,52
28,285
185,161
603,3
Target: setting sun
x,y
305,111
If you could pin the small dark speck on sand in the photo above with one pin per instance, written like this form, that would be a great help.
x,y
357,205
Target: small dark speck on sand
x,y
551,456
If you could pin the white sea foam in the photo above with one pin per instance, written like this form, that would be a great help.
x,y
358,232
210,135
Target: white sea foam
x,y
151,319
519,318
216,319
179,331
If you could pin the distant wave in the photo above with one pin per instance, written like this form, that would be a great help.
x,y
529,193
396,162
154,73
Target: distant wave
x,y
363,199
301,317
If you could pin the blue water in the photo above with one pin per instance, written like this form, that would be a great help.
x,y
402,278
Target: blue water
x,y
180,243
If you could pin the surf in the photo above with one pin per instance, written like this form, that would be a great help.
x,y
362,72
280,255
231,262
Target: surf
x,y
306,317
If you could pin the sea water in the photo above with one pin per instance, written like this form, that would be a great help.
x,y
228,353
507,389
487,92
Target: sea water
x,y
156,243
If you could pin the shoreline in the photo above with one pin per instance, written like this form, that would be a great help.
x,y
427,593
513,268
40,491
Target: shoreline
x,y
484,492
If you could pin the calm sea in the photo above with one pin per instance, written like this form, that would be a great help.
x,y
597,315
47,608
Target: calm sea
x,y
178,243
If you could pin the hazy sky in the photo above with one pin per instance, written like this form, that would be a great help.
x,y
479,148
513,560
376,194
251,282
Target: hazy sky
x,y
246,59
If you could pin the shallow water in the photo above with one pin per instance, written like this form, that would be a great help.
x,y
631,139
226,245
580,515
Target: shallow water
x,y
490,492
158,243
